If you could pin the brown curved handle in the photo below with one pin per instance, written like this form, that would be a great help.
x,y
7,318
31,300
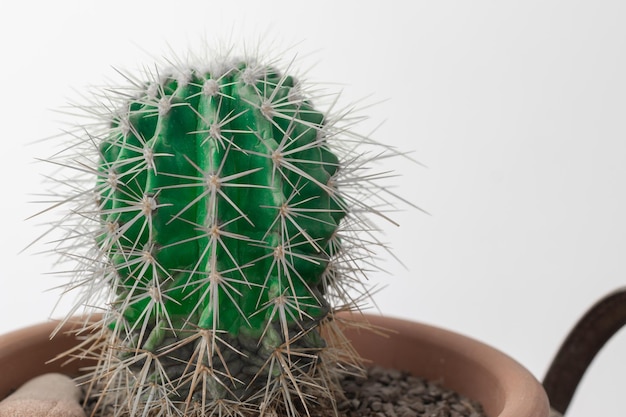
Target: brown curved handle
x,y
582,344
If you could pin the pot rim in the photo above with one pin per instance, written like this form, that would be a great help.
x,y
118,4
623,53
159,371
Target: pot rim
x,y
502,385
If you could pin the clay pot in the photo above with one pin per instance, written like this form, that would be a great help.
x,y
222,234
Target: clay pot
x,y
504,387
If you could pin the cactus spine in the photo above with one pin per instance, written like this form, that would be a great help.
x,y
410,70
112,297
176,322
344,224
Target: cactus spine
x,y
224,244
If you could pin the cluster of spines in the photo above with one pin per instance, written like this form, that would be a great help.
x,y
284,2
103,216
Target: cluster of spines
x,y
140,181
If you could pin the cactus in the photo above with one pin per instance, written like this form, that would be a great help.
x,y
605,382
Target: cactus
x,y
224,243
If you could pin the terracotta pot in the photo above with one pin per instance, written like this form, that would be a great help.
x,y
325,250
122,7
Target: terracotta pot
x,y
504,387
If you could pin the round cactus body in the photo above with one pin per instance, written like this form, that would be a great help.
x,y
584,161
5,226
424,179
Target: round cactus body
x,y
227,223
217,192
217,197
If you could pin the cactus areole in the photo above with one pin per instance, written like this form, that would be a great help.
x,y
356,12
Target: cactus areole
x,y
224,244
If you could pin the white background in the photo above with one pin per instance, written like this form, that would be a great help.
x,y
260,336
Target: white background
x,y
516,108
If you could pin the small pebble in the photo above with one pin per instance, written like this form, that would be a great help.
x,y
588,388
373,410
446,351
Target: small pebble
x,y
48,395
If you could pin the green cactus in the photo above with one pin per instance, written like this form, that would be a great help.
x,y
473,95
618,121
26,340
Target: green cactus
x,y
224,244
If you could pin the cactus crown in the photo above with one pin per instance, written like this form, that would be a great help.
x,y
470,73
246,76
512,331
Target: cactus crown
x,y
224,220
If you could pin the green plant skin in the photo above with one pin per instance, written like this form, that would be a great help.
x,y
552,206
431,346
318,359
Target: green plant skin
x,y
228,229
